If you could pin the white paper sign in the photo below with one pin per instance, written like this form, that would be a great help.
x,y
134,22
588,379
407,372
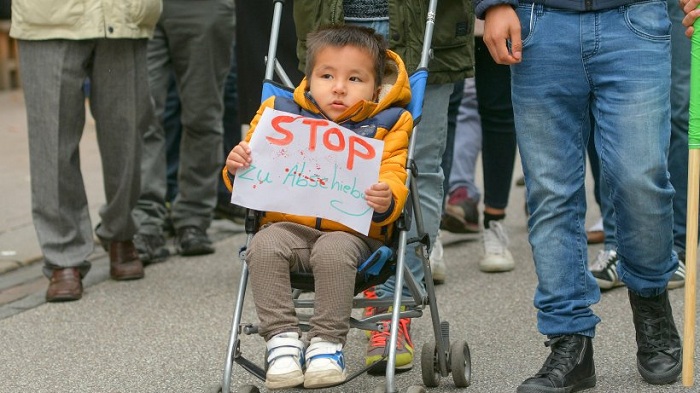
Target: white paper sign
x,y
310,167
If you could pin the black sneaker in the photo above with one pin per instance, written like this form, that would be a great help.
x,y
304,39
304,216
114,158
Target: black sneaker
x,y
659,352
677,280
151,248
569,368
193,241
605,270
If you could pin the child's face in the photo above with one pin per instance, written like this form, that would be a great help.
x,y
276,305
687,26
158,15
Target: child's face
x,y
341,77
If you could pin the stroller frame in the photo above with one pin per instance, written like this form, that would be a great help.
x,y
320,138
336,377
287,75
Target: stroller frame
x,y
439,358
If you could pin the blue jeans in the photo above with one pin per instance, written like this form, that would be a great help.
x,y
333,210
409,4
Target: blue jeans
x,y
467,143
602,194
680,97
616,64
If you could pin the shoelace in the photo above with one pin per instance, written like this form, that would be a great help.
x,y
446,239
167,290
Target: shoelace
x,y
379,339
655,340
369,293
560,358
495,238
603,260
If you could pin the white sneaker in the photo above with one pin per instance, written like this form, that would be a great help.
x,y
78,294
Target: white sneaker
x,y
285,358
437,262
497,258
325,364
601,260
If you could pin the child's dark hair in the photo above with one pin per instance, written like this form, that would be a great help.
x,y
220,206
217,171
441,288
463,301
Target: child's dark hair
x,y
344,35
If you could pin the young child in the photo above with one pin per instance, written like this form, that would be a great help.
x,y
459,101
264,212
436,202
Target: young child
x,y
353,80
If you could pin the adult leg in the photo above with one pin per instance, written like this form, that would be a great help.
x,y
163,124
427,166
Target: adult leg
x,y
632,115
498,156
150,212
461,213
173,133
678,149
120,102
53,72
438,267
429,146
467,144
550,128
200,42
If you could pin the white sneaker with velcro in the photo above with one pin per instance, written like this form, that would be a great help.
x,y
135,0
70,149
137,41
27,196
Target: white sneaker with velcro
x,y
285,359
325,364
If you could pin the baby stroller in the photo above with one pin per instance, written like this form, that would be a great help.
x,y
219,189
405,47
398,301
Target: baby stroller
x,y
438,357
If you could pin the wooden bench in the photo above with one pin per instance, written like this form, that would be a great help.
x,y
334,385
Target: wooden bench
x,y
9,58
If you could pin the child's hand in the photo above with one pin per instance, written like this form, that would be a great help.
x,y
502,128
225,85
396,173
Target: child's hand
x,y
239,157
379,197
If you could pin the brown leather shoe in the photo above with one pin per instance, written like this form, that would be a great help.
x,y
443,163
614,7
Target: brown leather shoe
x,y
65,285
124,262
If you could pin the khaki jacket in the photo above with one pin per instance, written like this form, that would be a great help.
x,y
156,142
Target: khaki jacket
x,y
83,19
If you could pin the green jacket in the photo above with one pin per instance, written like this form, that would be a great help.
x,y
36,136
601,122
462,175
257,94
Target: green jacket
x,y
453,35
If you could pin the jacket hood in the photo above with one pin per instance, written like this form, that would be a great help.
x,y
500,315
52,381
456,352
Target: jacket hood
x,y
395,90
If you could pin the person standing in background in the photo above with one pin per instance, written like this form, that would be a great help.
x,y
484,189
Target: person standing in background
x,y
193,40
61,45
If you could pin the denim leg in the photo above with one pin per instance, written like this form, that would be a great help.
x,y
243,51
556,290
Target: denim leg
x,y
566,71
608,213
429,147
633,119
680,97
551,125
467,143
601,192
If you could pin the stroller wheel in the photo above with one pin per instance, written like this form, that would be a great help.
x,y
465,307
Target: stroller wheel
x,y
460,363
428,365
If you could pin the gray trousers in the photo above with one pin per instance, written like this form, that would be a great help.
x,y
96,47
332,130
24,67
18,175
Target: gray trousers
x,y
192,40
53,74
333,258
